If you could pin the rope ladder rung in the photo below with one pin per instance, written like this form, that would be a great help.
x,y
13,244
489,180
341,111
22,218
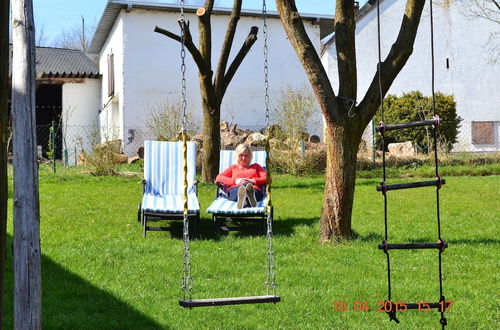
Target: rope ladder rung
x,y
442,245
383,127
383,187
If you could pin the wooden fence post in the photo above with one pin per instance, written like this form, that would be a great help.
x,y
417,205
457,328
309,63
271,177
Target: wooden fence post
x,y
4,104
27,266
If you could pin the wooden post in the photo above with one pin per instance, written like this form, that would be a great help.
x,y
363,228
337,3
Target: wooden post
x,y
4,104
27,267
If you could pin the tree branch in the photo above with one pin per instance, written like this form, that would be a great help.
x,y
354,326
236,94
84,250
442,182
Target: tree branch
x,y
226,48
205,33
245,48
395,60
188,42
309,58
345,26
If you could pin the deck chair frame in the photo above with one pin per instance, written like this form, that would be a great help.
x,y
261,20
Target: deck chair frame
x,y
147,216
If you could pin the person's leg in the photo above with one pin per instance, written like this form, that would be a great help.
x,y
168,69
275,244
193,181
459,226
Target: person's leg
x,y
252,195
242,197
232,194
258,195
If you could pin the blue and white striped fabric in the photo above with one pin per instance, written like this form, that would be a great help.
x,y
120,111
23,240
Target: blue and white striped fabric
x,y
224,206
163,192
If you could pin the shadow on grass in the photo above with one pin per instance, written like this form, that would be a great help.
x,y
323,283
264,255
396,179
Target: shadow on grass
x,y
69,301
207,230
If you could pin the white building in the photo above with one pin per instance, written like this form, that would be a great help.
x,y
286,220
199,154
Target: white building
x,y
465,63
67,94
145,66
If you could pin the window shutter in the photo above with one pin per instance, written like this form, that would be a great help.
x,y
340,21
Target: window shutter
x,y
111,74
483,132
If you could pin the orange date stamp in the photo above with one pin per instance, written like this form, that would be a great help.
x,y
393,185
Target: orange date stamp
x,y
386,306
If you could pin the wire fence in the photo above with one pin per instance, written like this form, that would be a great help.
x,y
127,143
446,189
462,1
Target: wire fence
x,y
66,143
472,137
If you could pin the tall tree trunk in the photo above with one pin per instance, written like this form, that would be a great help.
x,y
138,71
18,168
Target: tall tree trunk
x,y
211,141
342,147
4,103
27,267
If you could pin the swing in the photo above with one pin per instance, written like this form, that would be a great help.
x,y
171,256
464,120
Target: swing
x,y
187,285
391,307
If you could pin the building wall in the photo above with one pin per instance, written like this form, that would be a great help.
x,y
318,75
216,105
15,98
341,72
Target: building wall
x,y
471,76
111,110
81,102
152,76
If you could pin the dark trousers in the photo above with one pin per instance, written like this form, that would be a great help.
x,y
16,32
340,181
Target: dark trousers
x,y
233,194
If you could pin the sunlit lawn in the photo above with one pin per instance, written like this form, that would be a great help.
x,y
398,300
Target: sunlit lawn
x,y
99,272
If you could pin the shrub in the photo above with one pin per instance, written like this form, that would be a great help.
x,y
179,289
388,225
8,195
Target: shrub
x,y
413,106
292,116
164,120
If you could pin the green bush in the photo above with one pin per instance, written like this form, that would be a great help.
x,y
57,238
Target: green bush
x,y
413,106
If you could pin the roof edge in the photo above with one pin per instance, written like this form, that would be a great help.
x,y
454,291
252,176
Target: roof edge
x,y
114,7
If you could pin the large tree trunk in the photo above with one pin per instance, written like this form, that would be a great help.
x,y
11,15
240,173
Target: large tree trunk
x,y
342,147
27,267
4,187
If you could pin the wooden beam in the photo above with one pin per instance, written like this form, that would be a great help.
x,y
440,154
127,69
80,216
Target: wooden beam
x,y
27,263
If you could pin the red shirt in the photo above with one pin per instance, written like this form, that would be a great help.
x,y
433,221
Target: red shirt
x,y
233,172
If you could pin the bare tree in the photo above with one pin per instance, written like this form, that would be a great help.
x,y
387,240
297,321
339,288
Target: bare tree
x,y
343,132
4,104
41,37
488,10
213,88
77,36
27,264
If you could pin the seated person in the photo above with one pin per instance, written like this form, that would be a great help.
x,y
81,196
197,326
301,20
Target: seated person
x,y
244,180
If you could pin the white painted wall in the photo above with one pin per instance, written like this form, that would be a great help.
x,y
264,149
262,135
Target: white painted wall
x,y
151,68
471,77
80,107
111,109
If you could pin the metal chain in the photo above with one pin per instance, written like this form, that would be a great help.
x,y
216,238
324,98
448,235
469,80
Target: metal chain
x,y
266,68
183,65
270,266
187,280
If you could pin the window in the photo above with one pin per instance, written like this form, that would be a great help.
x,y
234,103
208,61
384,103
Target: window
x,y
483,132
111,74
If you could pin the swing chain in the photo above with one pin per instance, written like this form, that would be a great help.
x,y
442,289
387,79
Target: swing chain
x,y
182,22
266,68
187,280
270,266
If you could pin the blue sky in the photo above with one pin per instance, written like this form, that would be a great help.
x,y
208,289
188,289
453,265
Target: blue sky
x,y
55,16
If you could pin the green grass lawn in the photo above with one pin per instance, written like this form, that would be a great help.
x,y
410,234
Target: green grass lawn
x,y
99,272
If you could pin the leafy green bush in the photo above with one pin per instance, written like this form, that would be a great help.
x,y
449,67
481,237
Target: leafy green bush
x,y
413,106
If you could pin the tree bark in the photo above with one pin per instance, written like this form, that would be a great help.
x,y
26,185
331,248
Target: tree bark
x,y
345,122
4,104
342,147
27,266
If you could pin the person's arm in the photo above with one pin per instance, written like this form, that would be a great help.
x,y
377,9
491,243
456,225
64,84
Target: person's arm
x,y
225,177
261,178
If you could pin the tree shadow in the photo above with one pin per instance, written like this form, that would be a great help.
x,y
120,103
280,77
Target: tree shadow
x,y
71,302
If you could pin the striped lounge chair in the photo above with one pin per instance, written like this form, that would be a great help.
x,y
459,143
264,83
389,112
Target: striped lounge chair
x,y
163,194
225,214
